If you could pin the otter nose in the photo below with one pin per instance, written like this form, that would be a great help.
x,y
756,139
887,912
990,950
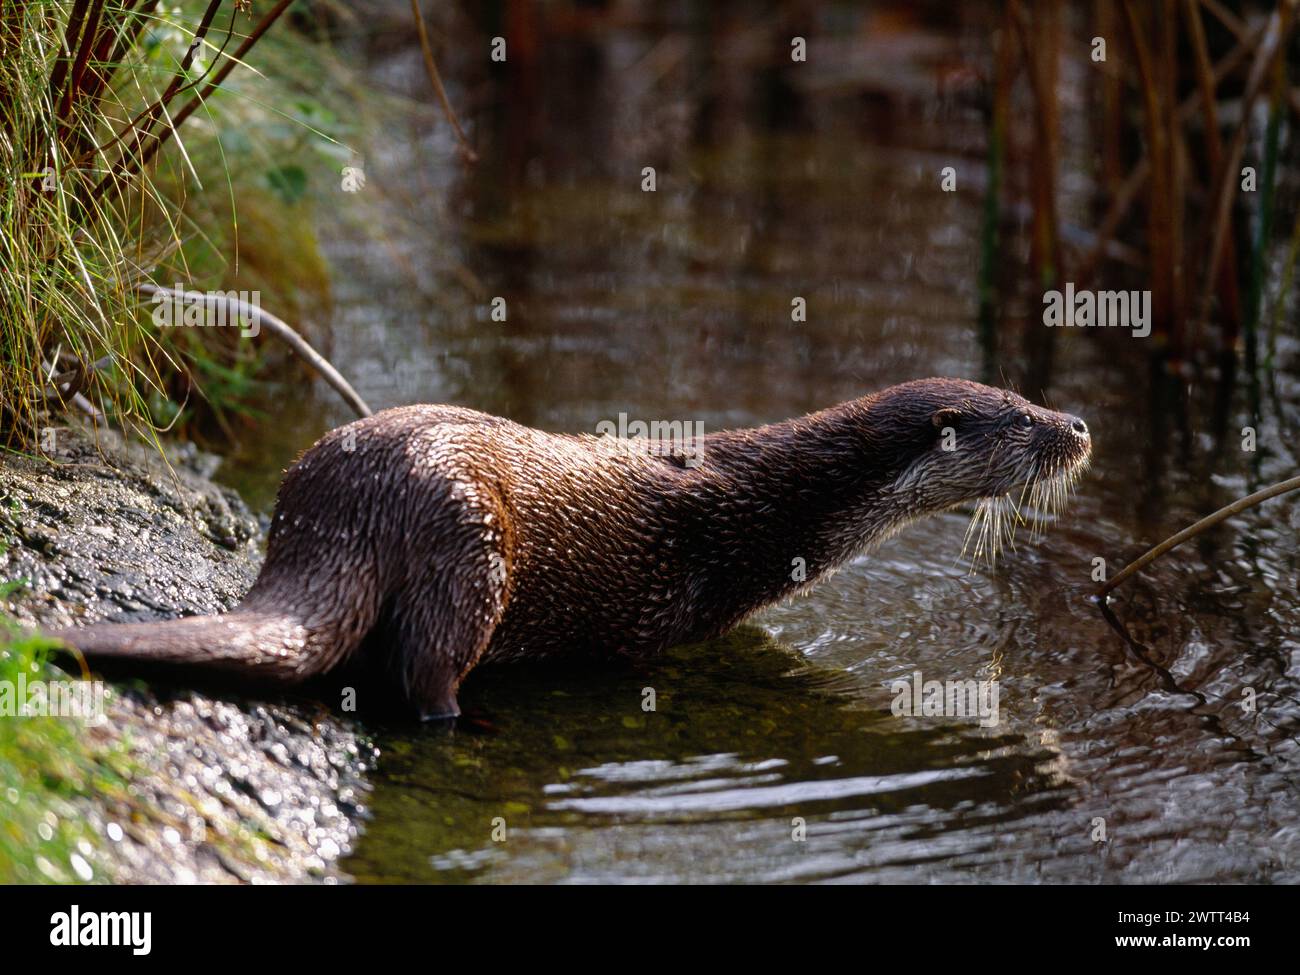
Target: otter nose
x,y
1078,426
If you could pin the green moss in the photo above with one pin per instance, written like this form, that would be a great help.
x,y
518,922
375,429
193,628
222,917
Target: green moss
x,y
47,764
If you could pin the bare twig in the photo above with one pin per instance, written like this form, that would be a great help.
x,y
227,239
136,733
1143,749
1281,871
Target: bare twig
x,y
1209,521
72,32
1227,18
65,387
112,45
1040,66
280,330
88,37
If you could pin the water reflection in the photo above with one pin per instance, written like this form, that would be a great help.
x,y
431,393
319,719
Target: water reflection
x,y
747,741
1124,753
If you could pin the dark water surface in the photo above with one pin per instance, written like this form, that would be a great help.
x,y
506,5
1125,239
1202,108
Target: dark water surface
x,y
676,305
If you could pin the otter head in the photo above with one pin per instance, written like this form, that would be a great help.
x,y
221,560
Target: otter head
x,y
977,444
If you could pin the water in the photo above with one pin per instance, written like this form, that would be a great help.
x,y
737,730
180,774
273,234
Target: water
x,y
773,755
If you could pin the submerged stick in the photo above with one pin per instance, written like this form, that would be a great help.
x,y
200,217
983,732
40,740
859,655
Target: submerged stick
x,y
1209,521
280,330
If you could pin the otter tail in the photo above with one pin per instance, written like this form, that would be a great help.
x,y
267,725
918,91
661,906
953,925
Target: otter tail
x,y
249,642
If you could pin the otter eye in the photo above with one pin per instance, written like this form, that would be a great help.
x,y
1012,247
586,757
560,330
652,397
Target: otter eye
x,y
1026,420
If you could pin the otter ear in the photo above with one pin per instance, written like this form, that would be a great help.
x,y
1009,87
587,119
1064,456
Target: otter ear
x,y
946,417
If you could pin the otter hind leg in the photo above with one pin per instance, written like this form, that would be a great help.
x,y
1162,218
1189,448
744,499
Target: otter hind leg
x,y
443,622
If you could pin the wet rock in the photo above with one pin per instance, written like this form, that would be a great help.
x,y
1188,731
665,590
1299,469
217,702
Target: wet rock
x,y
218,788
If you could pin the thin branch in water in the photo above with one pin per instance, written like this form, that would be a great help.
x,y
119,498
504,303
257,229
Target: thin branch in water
x,y
1227,18
1160,208
1209,521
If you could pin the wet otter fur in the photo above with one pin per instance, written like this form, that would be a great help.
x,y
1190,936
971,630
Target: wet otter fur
x,y
443,537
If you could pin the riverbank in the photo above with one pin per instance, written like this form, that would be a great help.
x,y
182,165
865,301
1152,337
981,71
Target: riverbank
x,y
177,786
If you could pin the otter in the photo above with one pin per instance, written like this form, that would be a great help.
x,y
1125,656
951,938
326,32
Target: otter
x,y
442,538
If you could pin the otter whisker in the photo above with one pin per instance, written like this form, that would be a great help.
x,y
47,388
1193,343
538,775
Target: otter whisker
x,y
976,516
1049,493
1044,489
992,528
